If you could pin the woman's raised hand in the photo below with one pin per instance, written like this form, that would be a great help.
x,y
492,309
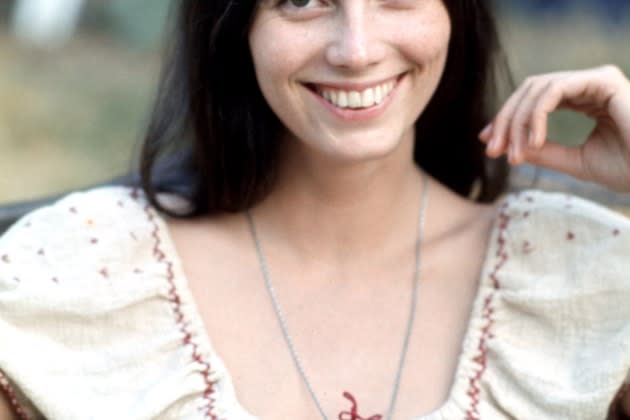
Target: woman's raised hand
x,y
520,128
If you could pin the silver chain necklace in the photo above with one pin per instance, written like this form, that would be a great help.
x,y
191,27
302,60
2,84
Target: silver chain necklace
x,y
412,310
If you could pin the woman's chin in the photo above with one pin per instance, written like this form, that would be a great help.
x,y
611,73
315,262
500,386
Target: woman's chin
x,y
354,152
353,146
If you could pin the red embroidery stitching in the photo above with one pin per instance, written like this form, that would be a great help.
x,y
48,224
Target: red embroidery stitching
x,y
183,325
5,258
5,386
487,313
570,236
353,413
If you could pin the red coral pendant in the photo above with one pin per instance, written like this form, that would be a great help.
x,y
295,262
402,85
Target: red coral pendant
x,y
353,414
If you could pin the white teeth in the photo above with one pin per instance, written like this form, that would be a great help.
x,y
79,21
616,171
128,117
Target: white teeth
x,y
367,99
378,95
353,99
342,99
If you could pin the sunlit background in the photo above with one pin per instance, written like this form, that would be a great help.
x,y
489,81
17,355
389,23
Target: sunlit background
x,y
77,78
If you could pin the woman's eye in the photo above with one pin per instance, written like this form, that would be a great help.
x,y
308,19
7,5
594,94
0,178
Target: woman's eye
x,y
299,3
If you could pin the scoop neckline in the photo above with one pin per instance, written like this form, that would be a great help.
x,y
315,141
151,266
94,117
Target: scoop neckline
x,y
458,380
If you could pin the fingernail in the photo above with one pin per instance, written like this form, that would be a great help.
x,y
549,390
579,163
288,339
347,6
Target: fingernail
x,y
532,138
486,131
492,145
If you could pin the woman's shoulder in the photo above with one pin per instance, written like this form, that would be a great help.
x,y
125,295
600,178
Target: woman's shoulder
x,y
563,225
545,205
554,297
94,275
570,239
78,228
100,237
103,204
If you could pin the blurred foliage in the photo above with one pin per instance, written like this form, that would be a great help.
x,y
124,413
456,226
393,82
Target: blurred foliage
x,y
139,23
141,20
72,117
5,11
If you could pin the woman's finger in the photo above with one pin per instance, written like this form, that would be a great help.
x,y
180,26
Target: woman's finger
x,y
498,142
568,160
500,132
585,91
597,162
522,122
521,130
589,90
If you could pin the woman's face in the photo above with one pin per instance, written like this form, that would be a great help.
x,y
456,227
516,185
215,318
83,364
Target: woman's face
x,y
349,78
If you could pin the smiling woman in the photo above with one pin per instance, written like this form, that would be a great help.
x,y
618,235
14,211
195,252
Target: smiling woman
x,y
308,242
366,56
231,97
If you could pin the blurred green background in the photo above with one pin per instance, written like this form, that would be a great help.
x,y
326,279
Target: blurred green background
x,y
73,115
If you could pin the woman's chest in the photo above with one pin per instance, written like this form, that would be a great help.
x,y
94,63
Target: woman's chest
x,y
348,337
349,344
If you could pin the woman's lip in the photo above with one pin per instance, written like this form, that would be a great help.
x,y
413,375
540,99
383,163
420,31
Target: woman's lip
x,y
354,86
359,114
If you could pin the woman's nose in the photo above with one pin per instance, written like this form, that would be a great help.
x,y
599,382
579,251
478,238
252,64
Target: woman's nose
x,y
354,43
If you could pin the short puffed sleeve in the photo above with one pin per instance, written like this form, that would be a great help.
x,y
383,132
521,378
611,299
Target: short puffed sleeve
x,y
553,336
90,323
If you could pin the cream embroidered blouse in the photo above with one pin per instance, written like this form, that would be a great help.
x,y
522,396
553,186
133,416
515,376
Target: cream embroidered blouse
x,y
97,321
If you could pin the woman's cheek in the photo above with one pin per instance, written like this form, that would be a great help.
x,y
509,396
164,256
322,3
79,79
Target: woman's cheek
x,y
428,43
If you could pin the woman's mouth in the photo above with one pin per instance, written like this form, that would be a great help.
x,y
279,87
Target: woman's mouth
x,y
356,98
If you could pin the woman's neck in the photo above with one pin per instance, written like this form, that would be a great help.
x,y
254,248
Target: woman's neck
x,y
338,212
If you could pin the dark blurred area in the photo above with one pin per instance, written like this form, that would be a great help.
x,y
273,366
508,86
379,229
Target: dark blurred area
x,y
614,11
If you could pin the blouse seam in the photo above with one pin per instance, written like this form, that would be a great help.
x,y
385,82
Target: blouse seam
x,y
182,323
9,391
481,356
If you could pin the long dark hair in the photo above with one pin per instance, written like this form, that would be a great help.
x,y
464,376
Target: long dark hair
x,y
213,138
